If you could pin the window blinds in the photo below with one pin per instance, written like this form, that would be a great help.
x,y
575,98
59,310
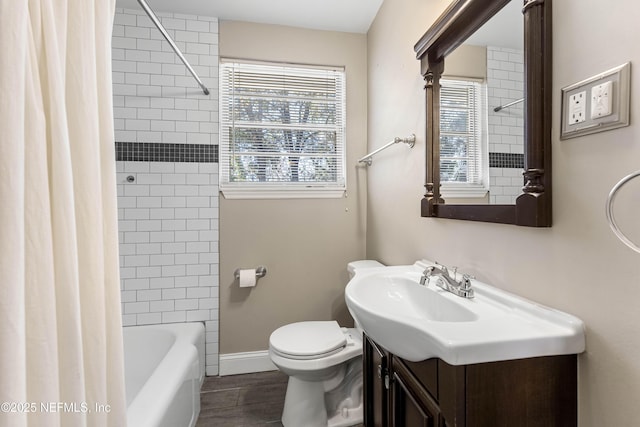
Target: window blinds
x,y
461,132
281,126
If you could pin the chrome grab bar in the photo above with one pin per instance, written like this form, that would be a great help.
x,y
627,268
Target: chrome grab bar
x,y
609,211
173,45
410,141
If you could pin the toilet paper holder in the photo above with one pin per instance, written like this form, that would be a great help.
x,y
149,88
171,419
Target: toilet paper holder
x,y
261,271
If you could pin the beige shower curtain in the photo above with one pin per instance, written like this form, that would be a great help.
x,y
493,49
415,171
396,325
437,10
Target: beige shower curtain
x,y
61,361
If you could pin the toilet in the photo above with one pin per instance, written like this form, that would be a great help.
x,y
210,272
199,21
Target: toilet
x,y
324,364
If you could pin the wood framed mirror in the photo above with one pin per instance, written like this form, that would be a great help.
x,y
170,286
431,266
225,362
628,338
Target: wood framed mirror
x,y
532,207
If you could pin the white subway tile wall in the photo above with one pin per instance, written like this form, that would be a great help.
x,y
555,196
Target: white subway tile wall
x,y
168,216
155,97
505,83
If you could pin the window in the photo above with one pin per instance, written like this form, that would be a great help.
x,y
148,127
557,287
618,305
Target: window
x,y
463,138
282,130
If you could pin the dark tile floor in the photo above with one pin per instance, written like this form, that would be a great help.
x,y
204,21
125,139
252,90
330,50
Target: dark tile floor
x,y
243,400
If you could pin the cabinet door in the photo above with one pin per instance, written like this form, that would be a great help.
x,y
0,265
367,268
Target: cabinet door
x,y
375,393
411,404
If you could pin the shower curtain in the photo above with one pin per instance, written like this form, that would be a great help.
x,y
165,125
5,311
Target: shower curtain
x,y
61,361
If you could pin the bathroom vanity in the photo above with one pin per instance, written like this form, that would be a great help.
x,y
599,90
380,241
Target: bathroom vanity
x,y
539,391
445,350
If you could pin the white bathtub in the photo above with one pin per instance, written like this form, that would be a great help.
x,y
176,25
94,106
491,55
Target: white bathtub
x,y
164,369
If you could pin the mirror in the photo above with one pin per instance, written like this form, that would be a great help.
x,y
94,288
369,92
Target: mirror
x,y
458,62
482,114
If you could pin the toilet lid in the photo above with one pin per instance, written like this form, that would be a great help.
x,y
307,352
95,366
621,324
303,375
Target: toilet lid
x,y
308,338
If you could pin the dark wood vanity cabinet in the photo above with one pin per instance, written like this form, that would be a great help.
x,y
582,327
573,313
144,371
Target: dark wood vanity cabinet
x,y
411,403
375,390
535,392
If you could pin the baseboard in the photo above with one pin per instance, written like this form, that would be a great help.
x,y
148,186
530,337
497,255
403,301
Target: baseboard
x,y
245,363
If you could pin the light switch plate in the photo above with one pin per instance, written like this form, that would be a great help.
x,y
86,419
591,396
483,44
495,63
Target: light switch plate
x,y
607,103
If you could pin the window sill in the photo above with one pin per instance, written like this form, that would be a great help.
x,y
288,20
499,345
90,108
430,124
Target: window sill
x,y
463,193
281,193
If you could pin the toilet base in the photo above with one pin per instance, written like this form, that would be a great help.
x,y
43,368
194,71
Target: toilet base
x,y
306,402
349,417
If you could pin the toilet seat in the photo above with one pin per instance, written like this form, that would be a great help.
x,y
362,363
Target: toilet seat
x,y
308,340
315,364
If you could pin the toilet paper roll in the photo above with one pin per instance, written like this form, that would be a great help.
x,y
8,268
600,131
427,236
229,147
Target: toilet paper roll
x,y
247,278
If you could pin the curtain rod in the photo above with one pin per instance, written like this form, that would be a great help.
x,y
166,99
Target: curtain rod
x,y
502,107
173,45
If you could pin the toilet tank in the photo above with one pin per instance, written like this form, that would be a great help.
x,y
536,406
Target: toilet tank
x,y
356,265
365,263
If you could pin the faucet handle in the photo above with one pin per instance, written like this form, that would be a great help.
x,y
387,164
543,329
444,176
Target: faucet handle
x,y
466,281
425,275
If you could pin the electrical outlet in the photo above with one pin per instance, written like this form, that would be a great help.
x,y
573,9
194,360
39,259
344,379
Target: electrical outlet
x,y
577,108
599,103
601,100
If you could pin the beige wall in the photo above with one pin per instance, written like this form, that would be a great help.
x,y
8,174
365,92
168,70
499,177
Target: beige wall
x,y
467,61
305,244
577,265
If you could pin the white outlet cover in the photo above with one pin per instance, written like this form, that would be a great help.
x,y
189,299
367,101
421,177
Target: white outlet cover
x,y
601,100
577,108
607,101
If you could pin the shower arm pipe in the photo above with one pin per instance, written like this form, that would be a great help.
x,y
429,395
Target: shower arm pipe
x,y
410,141
173,45
502,107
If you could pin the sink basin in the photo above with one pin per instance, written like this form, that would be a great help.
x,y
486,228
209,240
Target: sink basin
x,y
418,322
399,294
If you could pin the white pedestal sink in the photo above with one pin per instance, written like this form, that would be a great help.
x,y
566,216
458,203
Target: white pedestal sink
x,y
417,322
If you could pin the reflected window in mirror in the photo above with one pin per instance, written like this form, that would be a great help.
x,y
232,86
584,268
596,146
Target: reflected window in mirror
x,y
463,138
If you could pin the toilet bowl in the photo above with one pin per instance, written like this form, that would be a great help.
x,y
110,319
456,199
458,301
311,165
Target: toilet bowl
x,y
324,364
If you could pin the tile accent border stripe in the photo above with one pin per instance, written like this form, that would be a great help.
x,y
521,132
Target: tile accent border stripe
x,y
161,152
506,160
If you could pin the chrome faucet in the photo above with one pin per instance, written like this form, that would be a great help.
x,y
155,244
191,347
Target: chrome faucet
x,y
446,281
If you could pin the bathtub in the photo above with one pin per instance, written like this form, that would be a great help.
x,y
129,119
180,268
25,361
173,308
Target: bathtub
x,y
164,368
